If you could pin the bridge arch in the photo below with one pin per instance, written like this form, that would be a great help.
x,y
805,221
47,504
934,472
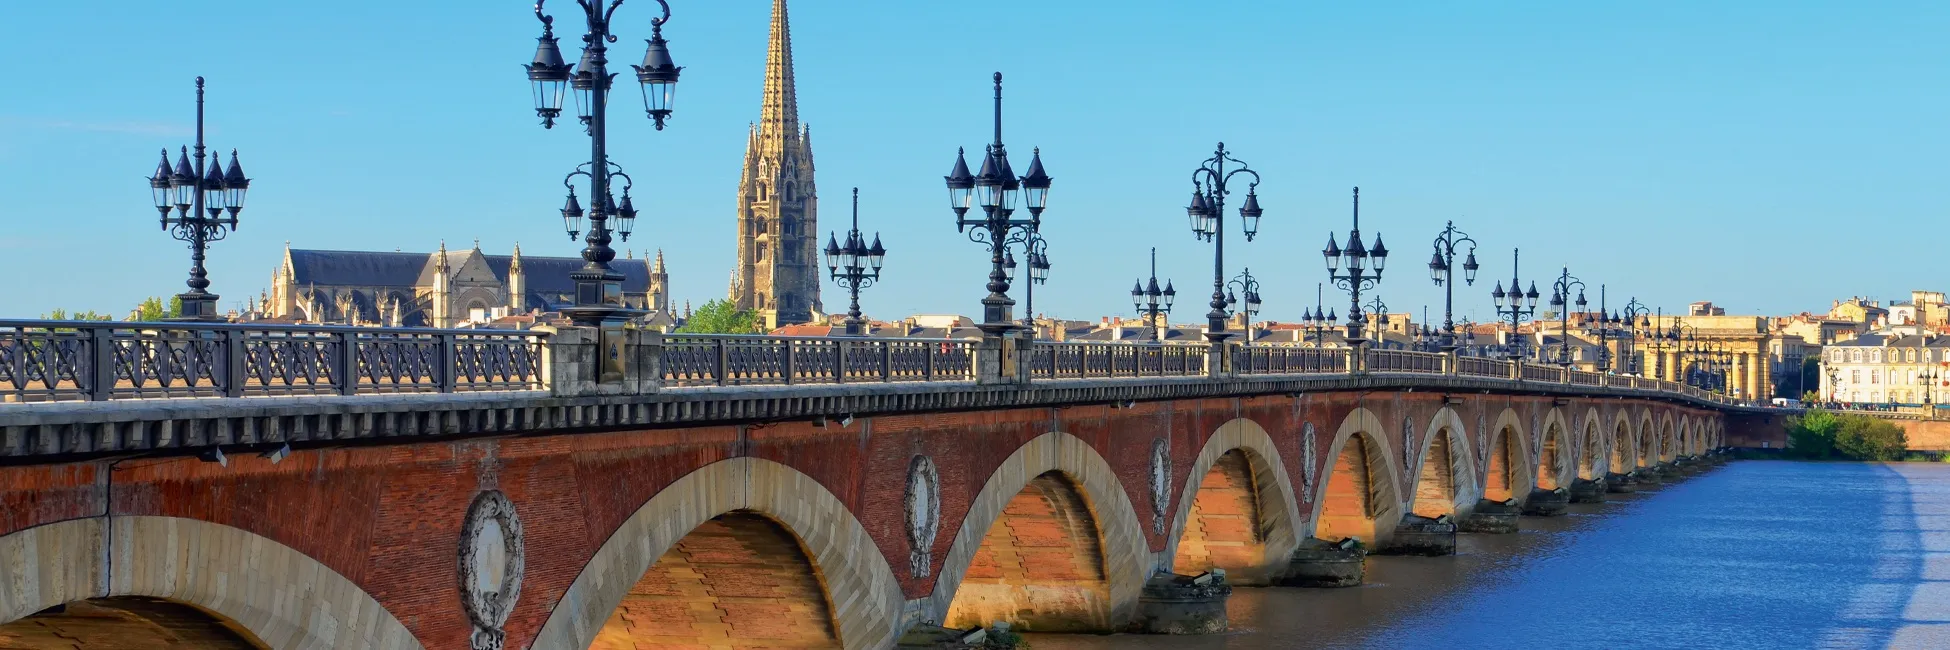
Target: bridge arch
x,y
1444,475
1359,496
1557,460
1648,443
743,498
1053,466
1592,460
276,593
1624,449
1506,459
1667,438
1238,510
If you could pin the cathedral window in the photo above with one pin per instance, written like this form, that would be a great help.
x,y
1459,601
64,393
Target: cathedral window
x,y
761,252
761,191
790,191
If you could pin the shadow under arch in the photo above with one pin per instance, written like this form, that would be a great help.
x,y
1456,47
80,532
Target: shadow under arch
x,y
277,593
128,622
1239,449
1127,559
1624,449
1359,496
1647,447
1663,446
1445,474
1557,460
1507,471
1593,461
864,596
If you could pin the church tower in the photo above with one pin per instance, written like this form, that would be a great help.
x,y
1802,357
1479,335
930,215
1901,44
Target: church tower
x,y
778,216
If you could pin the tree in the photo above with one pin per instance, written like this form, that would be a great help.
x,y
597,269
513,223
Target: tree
x,y
720,317
1821,434
63,314
152,310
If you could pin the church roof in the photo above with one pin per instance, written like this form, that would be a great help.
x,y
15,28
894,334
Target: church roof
x,y
551,274
543,275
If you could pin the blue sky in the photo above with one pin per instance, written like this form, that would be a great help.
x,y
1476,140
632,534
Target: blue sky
x,y
1769,156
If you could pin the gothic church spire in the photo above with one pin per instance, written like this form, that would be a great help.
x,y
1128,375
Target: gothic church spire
x,y
780,115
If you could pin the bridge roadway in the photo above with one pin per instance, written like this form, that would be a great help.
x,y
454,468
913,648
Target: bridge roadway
x,y
337,488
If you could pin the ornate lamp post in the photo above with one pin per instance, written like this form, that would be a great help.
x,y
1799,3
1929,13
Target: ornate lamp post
x,y
206,206
1037,249
1834,384
1634,319
1469,337
1349,269
1151,303
854,265
1316,322
1247,286
1207,213
599,288
996,190
1442,270
1929,379
1515,305
1561,300
1379,310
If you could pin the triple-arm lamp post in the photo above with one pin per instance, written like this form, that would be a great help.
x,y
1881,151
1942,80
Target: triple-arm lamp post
x,y
206,203
599,288
996,190
1317,321
1561,301
1515,304
1349,269
1153,304
1248,288
1442,270
854,265
1634,318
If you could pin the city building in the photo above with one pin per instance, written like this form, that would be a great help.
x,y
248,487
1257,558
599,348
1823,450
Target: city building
x,y
1860,310
440,289
1896,366
778,271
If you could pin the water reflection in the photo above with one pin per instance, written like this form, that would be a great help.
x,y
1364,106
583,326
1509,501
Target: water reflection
x,y
1753,555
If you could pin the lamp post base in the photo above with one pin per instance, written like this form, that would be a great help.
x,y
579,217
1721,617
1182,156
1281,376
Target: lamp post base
x,y
197,308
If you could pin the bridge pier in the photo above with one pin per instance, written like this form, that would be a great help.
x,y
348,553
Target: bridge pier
x,y
1547,503
1418,535
1621,483
1177,604
1320,563
1496,517
1588,490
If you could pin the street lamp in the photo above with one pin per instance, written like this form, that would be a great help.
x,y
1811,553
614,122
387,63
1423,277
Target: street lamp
x,y
1469,338
1356,276
1037,250
996,190
1247,286
1379,310
1561,300
599,288
1515,304
1151,303
854,265
1207,213
1442,269
206,203
1316,322
1634,319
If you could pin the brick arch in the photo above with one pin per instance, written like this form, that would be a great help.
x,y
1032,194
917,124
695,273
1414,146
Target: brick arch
x,y
1647,435
838,547
278,594
1685,436
1506,467
1127,557
1624,445
1592,459
1444,471
1275,510
1557,460
1361,481
1663,445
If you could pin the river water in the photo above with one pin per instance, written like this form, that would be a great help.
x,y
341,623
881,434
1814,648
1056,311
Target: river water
x,y
1756,554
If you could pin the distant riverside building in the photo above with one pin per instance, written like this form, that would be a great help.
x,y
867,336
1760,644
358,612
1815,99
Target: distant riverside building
x,y
1886,367
440,289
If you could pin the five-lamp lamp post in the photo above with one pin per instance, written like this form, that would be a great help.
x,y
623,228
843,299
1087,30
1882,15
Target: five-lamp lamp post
x,y
1562,302
1207,214
1355,269
1516,304
599,288
206,200
1442,270
854,265
996,191
1152,303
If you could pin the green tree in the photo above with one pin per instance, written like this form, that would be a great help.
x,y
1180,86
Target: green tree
x,y
1823,435
721,317
1812,435
153,309
63,314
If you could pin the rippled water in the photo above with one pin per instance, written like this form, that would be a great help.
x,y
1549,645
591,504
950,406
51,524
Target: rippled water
x,y
1756,554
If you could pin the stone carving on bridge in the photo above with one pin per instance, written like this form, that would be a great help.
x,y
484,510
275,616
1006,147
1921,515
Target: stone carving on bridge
x,y
1160,484
491,566
923,514
1307,463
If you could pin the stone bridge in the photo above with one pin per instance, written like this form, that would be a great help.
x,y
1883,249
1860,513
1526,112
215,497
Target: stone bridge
x,y
647,491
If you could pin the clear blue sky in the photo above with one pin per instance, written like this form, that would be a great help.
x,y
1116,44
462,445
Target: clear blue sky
x,y
1769,156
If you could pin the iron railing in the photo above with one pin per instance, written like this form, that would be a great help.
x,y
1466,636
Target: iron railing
x,y
1483,367
44,361
1092,360
729,360
1536,372
1427,363
1275,360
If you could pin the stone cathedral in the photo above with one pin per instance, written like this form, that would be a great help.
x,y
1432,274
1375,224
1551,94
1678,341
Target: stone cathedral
x,y
778,214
